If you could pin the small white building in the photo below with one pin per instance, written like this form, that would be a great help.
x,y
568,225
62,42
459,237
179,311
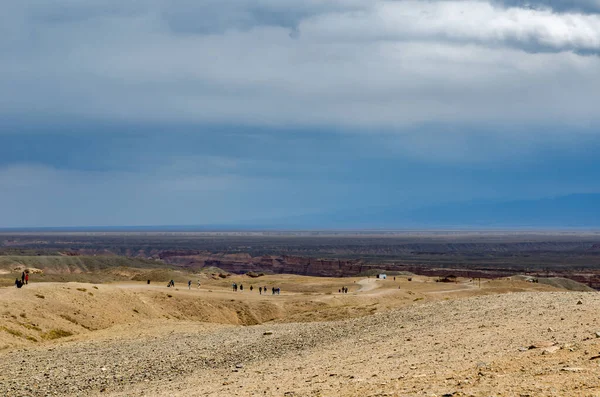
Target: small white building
x,y
382,276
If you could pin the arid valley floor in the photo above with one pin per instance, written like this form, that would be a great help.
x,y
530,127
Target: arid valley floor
x,y
505,337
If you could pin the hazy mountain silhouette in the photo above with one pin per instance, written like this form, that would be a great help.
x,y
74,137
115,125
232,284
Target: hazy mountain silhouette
x,y
577,210
572,211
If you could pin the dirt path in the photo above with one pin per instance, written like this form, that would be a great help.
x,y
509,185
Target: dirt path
x,y
368,284
464,287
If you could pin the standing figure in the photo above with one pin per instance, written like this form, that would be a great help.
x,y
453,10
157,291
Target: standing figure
x,y
26,278
241,287
198,283
260,290
23,278
251,288
189,284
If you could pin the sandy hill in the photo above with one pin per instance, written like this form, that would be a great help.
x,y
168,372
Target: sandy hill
x,y
385,337
90,269
559,282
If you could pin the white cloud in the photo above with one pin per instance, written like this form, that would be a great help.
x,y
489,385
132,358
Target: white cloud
x,y
360,63
466,21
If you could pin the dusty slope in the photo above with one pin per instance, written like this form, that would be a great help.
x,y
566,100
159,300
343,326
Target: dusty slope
x,y
422,337
467,346
81,268
41,311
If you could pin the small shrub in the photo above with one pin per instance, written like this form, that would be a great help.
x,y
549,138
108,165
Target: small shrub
x,y
56,334
23,315
81,289
90,294
95,287
13,332
31,338
40,296
135,310
169,296
69,318
30,326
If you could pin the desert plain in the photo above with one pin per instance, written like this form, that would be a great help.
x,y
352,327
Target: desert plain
x,y
94,326
505,337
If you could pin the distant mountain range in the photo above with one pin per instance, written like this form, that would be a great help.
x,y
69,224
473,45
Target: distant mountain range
x,y
572,211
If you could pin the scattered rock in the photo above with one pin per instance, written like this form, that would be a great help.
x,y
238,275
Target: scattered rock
x,y
551,349
268,333
542,345
572,369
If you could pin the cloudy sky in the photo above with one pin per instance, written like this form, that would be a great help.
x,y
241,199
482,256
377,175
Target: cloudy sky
x,y
174,112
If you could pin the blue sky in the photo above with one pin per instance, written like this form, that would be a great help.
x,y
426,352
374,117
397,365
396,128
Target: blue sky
x,y
213,112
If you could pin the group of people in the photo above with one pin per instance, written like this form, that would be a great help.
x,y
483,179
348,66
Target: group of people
x,y
343,290
234,287
24,280
190,284
274,291
172,283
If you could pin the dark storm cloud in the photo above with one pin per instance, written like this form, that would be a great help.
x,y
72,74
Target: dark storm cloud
x,y
349,64
211,111
218,16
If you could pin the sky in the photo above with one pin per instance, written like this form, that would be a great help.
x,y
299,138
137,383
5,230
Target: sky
x,y
187,112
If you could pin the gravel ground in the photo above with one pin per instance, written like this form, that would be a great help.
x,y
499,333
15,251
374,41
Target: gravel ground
x,y
473,346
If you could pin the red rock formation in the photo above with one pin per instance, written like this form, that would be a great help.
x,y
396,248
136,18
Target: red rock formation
x,y
243,263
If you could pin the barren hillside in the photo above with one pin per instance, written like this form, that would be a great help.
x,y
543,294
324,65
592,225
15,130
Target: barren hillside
x,y
385,337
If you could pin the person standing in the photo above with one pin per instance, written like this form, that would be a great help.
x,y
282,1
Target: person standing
x,y
260,290
26,278
23,278
241,287
189,284
251,288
